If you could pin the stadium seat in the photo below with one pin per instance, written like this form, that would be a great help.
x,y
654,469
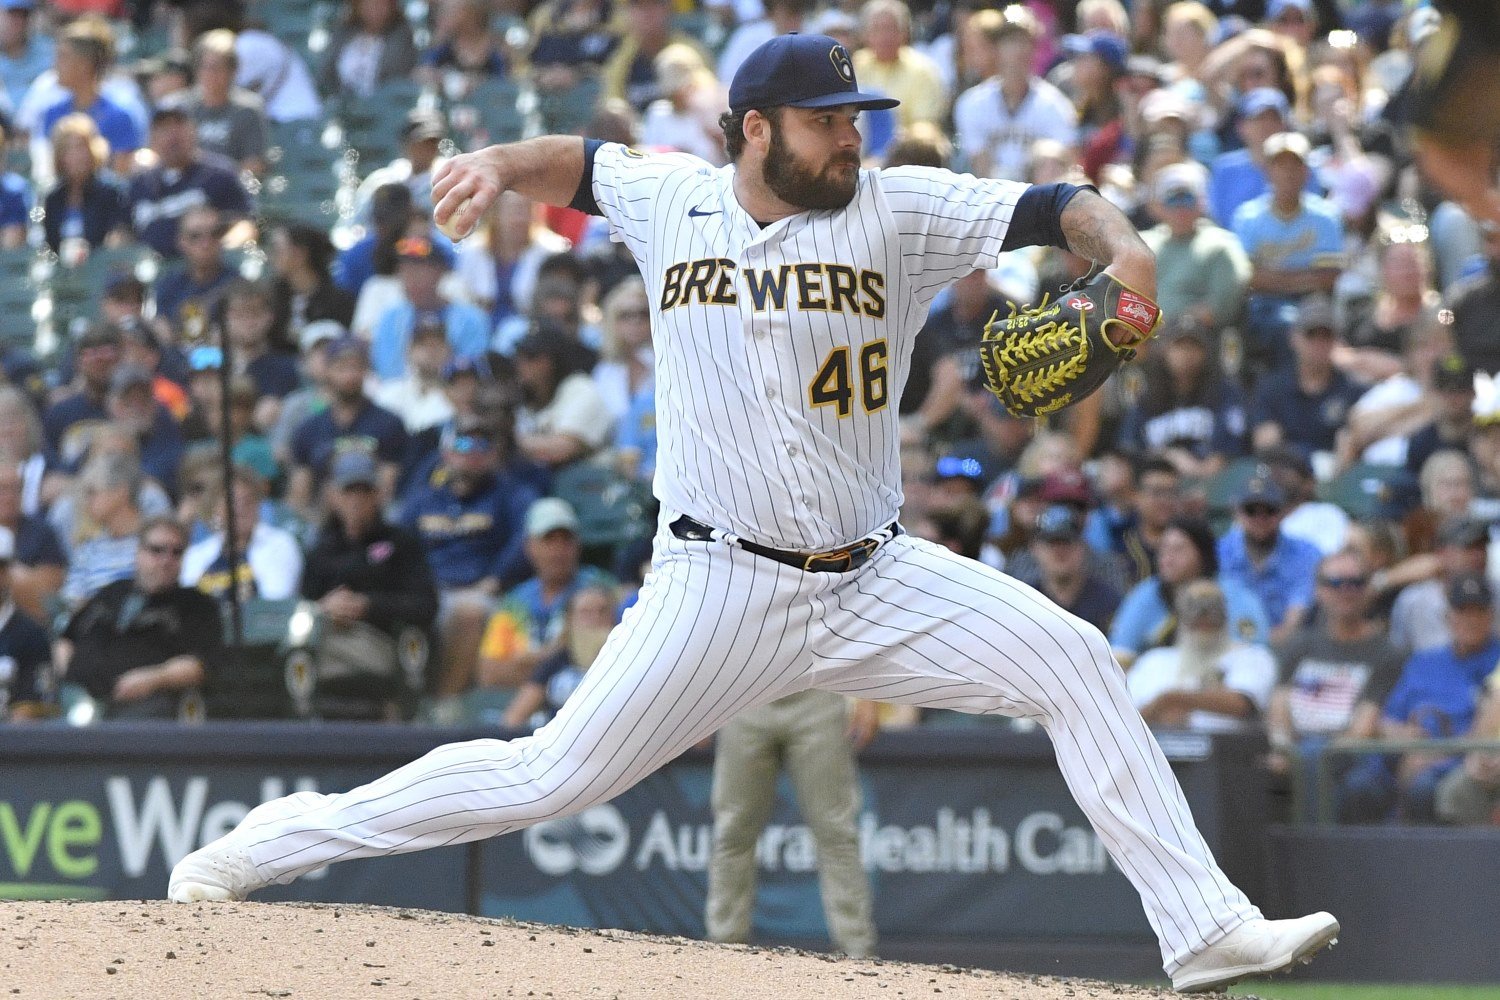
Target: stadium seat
x,y
1221,490
568,111
302,143
611,509
372,125
248,680
490,113
18,297
309,194
76,292
1363,490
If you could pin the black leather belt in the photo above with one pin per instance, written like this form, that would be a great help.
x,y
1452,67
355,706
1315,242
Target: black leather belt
x,y
843,560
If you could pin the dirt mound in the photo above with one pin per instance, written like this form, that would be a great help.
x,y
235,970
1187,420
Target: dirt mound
x,y
160,951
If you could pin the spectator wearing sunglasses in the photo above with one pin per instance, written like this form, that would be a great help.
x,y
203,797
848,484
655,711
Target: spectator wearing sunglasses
x,y
470,514
139,643
1333,675
1257,554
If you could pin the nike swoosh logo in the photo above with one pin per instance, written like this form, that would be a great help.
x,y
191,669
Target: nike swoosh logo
x,y
698,213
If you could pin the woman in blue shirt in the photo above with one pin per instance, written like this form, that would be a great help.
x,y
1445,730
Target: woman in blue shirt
x,y
1188,551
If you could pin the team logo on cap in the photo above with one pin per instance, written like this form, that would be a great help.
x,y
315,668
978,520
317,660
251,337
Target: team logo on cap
x,y
839,56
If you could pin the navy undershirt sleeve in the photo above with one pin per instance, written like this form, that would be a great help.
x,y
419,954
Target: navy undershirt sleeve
x,y
1036,220
583,198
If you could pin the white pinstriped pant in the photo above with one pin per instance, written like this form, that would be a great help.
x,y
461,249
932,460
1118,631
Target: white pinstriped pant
x,y
718,630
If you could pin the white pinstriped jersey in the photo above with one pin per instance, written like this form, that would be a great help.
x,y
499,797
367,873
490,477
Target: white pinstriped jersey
x,y
781,352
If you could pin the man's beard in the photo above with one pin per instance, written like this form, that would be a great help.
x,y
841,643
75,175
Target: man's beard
x,y
350,397
795,184
1202,654
584,644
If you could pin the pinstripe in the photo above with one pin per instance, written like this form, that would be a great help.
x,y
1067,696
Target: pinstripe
x,y
974,599
717,630
932,629
1170,858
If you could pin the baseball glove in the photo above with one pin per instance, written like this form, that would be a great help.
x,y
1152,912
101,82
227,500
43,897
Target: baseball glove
x,y
1041,359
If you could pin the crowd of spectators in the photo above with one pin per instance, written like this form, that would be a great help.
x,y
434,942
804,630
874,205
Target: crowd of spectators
x,y
1283,518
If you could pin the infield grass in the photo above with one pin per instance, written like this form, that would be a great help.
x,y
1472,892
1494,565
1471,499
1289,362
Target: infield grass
x,y
1272,990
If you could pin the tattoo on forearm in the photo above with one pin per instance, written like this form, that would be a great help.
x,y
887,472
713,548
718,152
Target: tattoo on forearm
x,y
1096,229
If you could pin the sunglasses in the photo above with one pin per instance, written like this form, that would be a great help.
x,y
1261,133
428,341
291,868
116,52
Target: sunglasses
x,y
1344,582
633,314
469,444
175,551
1259,510
197,234
955,466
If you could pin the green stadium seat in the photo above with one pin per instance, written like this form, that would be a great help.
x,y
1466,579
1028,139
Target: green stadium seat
x,y
568,111
248,680
303,144
612,510
77,291
1221,490
306,193
494,109
18,297
1361,490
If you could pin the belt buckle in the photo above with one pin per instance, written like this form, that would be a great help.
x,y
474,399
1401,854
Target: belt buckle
x,y
843,560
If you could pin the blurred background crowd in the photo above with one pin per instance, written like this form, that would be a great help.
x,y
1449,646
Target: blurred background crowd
x,y
216,243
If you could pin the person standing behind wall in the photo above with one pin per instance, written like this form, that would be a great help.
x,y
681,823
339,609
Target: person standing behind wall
x,y
814,736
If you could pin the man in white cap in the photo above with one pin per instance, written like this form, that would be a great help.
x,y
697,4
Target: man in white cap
x,y
528,626
1296,245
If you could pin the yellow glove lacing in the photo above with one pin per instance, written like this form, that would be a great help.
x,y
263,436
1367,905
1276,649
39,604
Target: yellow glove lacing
x,y
1032,365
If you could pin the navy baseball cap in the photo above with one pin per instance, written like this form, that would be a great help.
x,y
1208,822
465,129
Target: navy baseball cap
x,y
354,467
1262,490
800,71
1470,590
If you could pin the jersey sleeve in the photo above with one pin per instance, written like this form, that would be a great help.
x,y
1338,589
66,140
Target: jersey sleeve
x,y
625,183
949,224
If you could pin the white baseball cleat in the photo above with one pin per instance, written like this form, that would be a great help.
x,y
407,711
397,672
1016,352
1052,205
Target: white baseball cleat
x,y
1256,948
222,872
218,872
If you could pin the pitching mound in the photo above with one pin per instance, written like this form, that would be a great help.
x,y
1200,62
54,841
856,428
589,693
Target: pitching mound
x,y
160,951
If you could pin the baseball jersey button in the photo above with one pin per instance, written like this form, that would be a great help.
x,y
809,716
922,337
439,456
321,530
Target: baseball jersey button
x,y
770,392
793,450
